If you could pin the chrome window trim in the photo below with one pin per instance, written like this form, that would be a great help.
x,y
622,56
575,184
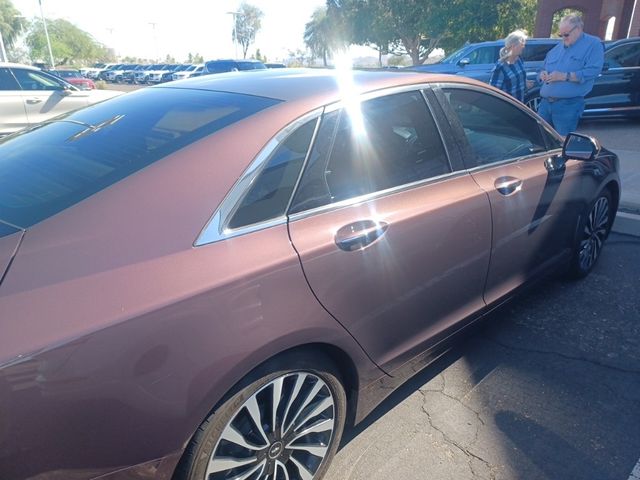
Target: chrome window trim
x,y
383,92
216,228
489,166
374,195
611,109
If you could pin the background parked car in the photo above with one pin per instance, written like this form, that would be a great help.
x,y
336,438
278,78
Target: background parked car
x,y
207,280
74,77
221,66
29,96
476,60
191,71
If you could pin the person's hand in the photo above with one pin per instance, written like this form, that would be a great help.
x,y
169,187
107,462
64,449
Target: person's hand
x,y
530,84
556,76
544,75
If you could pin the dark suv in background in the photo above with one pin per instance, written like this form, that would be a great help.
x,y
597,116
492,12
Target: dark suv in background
x,y
221,66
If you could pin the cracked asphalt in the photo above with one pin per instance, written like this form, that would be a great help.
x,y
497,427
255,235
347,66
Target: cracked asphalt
x,y
547,388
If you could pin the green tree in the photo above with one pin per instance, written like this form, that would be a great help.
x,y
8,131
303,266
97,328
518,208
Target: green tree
x,y
69,44
248,22
11,23
417,27
322,34
258,56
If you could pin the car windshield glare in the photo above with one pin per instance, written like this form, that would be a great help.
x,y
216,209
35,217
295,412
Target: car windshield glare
x,y
57,164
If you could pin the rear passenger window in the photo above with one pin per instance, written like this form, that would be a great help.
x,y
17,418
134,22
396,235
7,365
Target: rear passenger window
x,y
270,192
495,129
389,141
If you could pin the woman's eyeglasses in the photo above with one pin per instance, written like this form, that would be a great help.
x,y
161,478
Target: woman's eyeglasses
x,y
565,35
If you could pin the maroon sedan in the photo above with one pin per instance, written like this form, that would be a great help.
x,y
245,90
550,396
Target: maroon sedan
x,y
207,280
75,78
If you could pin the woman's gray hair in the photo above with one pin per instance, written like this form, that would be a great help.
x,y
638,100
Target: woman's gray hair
x,y
514,38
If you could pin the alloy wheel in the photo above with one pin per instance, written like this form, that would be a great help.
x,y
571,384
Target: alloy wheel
x,y
595,233
281,432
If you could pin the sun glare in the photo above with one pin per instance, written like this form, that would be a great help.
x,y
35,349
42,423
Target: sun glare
x,y
350,98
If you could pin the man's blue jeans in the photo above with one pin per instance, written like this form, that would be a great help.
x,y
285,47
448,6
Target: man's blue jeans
x,y
562,113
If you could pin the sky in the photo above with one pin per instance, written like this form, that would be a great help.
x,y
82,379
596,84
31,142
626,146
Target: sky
x,y
155,28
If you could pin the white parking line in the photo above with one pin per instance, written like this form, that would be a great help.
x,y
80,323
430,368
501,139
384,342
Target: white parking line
x,y
635,473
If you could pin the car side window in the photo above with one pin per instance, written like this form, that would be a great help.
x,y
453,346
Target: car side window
x,y
495,129
34,80
536,52
7,81
271,191
483,55
624,56
389,141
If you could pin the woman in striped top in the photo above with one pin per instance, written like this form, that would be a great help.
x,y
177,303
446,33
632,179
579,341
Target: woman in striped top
x,y
509,74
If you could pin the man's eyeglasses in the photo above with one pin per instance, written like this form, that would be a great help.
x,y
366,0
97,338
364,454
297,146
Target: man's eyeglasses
x,y
565,35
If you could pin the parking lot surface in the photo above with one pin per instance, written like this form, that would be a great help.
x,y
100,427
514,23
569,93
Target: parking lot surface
x,y
547,388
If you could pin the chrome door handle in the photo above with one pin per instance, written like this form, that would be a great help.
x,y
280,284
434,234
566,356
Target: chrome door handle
x,y
508,185
357,235
33,101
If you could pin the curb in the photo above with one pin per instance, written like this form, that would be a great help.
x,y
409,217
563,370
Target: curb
x,y
627,223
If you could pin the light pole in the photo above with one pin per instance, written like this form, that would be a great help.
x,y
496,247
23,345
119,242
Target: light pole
x,y
46,34
155,41
3,52
235,37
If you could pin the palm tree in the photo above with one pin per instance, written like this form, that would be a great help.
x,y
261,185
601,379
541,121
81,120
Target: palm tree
x,y
11,22
318,34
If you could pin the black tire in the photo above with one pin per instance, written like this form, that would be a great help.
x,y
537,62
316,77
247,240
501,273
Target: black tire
x,y
309,394
593,230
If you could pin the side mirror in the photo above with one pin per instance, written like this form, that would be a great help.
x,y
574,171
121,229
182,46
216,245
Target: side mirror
x,y
580,147
464,62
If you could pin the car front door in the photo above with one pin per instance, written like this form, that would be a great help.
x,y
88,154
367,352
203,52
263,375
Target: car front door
x,y
45,96
534,197
479,62
617,89
13,115
393,241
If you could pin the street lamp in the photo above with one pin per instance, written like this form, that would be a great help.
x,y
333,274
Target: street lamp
x,y
155,41
3,52
235,37
46,34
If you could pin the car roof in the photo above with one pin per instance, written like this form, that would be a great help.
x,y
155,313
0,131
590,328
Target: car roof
x,y
12,65
501,42
311,86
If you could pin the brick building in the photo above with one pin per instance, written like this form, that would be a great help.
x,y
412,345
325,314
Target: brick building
x,y
596,15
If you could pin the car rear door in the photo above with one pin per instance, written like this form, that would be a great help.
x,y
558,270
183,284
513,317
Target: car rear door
x,y
534,197
45,97
393,241
617,89
13,115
